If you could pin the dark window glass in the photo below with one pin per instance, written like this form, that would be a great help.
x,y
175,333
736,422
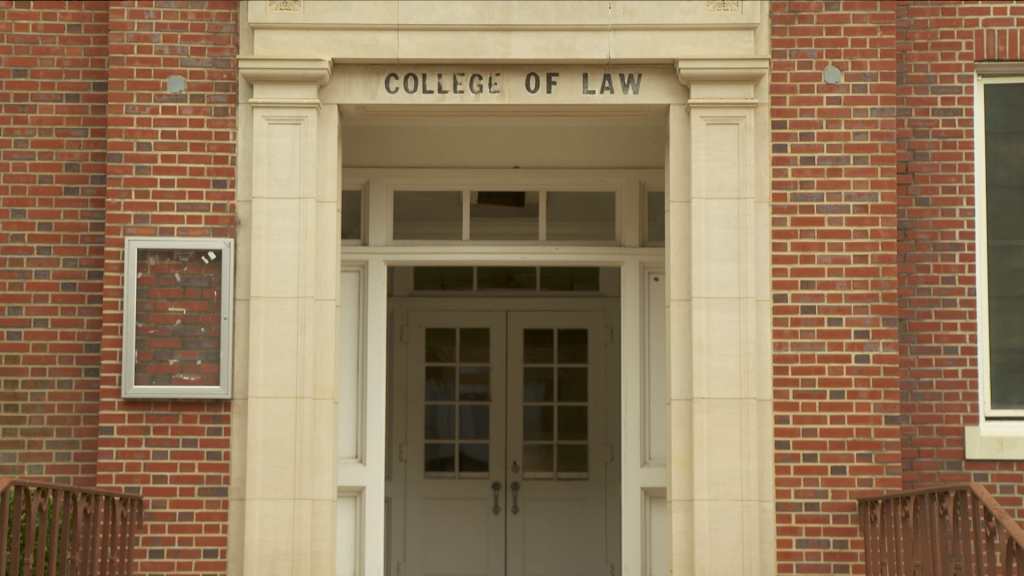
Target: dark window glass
x,y
1004,194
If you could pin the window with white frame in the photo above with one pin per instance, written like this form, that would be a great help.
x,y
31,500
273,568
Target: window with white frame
x,y
999,144
435,213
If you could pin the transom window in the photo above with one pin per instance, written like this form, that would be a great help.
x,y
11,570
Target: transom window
x,y
437,214
502,215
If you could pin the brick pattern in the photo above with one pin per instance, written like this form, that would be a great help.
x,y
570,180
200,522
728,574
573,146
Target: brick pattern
x,y
53,93
177,317
834,275
170,172
937,45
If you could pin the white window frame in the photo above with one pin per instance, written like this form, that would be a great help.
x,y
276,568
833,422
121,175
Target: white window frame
x,y
132,245
999,434
467,187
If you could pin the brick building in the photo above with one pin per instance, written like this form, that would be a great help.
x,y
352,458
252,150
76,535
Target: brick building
x,y
826,306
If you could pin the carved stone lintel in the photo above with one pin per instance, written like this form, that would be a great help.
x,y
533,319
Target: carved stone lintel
x,y
723,6
285,5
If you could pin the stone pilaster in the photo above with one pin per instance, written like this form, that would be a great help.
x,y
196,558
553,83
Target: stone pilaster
x,y
290,401
720,492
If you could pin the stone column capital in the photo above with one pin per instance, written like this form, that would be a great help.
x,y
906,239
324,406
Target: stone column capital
x,y
719,80
278,80
717,69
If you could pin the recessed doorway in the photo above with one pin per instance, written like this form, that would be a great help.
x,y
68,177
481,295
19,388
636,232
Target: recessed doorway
x,y
503,423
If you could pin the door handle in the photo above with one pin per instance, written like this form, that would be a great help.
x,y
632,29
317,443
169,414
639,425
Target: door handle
x,y
496,486
515,497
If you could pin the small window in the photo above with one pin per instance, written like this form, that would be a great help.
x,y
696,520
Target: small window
x,y
1000,195
482,279
428,215
352,216
504,216
581,216
177,318
655,219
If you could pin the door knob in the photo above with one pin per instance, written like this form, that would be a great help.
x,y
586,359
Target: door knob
x,y
496,486
515,497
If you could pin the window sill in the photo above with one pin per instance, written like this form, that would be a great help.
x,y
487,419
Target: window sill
x,y
999,444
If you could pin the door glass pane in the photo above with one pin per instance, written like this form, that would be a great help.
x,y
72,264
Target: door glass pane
x,y
440,422
572,346
504,216
572,422
576,279
473,458
538,459
428,216
464,418
538,346
538,384
506,278
572,460
440,383
566,411
474,422
440,458
442,278
538,423
475,346
581,216
474,383
440,344
572,384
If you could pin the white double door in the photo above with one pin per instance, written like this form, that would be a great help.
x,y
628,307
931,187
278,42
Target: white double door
x,y
507,464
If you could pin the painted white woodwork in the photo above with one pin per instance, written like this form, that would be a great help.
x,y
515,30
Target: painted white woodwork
x,y
450,526
455,522
558,526
643,434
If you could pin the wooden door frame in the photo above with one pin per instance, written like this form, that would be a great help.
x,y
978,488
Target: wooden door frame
x,y
364,382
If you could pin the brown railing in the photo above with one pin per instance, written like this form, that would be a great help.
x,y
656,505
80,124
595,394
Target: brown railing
x,y
956,529
50,530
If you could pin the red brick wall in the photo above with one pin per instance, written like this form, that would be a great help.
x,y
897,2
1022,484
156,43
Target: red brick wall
x,y
873,197
937,45
53,92
834,275
171,172
81,167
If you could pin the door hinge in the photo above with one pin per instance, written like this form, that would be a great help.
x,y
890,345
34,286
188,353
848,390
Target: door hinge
x,y
611,569
403,449
403,334
609,334
611,453
400,569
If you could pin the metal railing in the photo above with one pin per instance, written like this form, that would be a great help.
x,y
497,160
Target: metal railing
x,y
49,530
957,529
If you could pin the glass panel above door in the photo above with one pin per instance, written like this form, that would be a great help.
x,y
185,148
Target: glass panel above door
x,y
427,215
504,216
581,216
